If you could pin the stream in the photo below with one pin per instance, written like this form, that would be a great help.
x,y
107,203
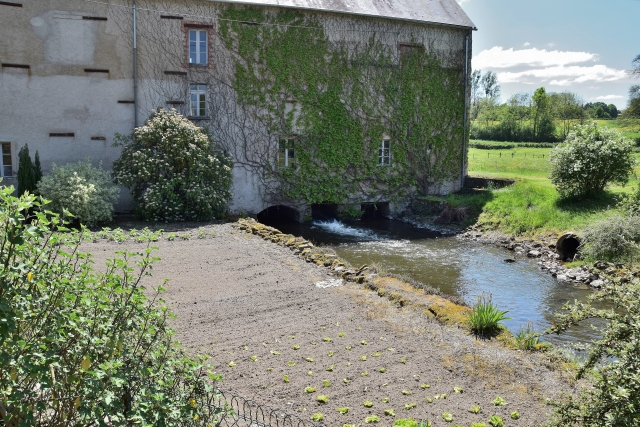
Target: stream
x,y
455,266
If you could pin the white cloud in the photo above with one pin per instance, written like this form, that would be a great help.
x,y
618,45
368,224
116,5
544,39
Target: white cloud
x,y
608,97
498,57
527,44
553,67
552,44
565,76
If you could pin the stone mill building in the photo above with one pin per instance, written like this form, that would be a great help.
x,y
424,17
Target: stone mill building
x,y
321,104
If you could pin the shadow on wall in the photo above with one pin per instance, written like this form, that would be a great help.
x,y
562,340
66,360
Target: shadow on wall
x,y
378,210
324,211
279,214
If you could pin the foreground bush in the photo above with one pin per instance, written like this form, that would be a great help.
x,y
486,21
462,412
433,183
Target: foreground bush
x,y
80,348
485,317
613,364
171,168
87,192
612,239
589,160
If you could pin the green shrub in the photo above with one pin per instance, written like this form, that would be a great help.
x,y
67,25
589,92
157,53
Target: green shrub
x,y
78,347
613,398
485,317
629,204
612,239
29,173
172,170
527,338
589,160
87,192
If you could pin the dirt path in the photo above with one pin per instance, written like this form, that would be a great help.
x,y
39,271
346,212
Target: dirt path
x,y
253,307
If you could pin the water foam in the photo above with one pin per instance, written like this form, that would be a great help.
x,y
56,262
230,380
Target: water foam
x,y
338,227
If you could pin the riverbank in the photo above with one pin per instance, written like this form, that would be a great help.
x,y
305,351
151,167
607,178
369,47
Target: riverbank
x,y
285,326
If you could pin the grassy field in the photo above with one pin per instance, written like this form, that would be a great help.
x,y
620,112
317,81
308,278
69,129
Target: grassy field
x,y
532,207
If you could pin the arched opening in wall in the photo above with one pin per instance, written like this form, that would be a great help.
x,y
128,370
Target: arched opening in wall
x,y
324,211
278,214
374,210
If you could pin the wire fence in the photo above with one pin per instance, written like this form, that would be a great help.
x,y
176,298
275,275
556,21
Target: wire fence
x,y
242,412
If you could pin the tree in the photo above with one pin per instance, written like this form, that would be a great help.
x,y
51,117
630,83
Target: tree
x,y
543,128
26,172
589,160
490,85
567,108
613,362
633,104
172,170
636,66
476,76
37,168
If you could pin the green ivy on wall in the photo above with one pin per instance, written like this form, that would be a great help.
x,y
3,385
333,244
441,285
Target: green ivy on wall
x,y
339,99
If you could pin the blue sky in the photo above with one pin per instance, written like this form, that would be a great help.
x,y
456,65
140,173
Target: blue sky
x,y
581,46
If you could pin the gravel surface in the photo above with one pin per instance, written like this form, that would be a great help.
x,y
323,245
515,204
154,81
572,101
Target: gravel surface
x,y
255,308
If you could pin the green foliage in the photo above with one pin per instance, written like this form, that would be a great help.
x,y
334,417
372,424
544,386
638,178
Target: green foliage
x,y
86,192
448,417
172,170
485,317
612,239
630,203
613,360
345,101
317,417
498,401
37,167
83,348
410,422
372,419
527,338
496,421
28,174
589,160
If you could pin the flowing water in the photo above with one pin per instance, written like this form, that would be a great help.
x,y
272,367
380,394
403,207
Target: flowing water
x,y
456,267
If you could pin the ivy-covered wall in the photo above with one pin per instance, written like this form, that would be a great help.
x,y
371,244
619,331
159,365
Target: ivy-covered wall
x,y
335,84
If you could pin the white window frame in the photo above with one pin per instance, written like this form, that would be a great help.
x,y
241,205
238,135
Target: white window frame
x,y
199,47
384,153
198,100
286,153
4,165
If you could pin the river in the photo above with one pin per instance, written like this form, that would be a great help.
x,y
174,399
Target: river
x,y
455,266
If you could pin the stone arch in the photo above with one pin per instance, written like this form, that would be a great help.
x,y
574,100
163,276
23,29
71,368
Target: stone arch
x,y
279,213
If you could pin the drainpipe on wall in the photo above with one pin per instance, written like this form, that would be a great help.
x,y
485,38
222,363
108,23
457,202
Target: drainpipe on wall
x,y
466,107
135,67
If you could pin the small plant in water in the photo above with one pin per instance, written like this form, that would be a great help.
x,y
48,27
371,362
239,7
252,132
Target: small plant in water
x,y
310,390
448,417
485,317
498,401
343,410
323,398
496,421
372,419
367,404
317,417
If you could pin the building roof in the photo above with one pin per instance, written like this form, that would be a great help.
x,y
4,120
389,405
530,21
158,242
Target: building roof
x,y
444,12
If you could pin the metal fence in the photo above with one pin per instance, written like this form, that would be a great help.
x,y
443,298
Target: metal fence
x,y
241,412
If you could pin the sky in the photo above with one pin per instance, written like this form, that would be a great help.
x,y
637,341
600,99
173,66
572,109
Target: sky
x,y
580,46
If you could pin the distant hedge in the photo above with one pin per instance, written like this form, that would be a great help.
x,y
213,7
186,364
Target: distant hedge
x,y
511,146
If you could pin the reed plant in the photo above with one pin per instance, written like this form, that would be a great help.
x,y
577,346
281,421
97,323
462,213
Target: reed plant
x,y
485,317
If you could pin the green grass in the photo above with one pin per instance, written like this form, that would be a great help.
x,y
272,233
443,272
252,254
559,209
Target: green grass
x,y
485,317
532,206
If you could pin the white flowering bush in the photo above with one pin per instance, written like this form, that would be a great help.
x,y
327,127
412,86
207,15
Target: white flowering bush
x,y
589,160
85,191
172,170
